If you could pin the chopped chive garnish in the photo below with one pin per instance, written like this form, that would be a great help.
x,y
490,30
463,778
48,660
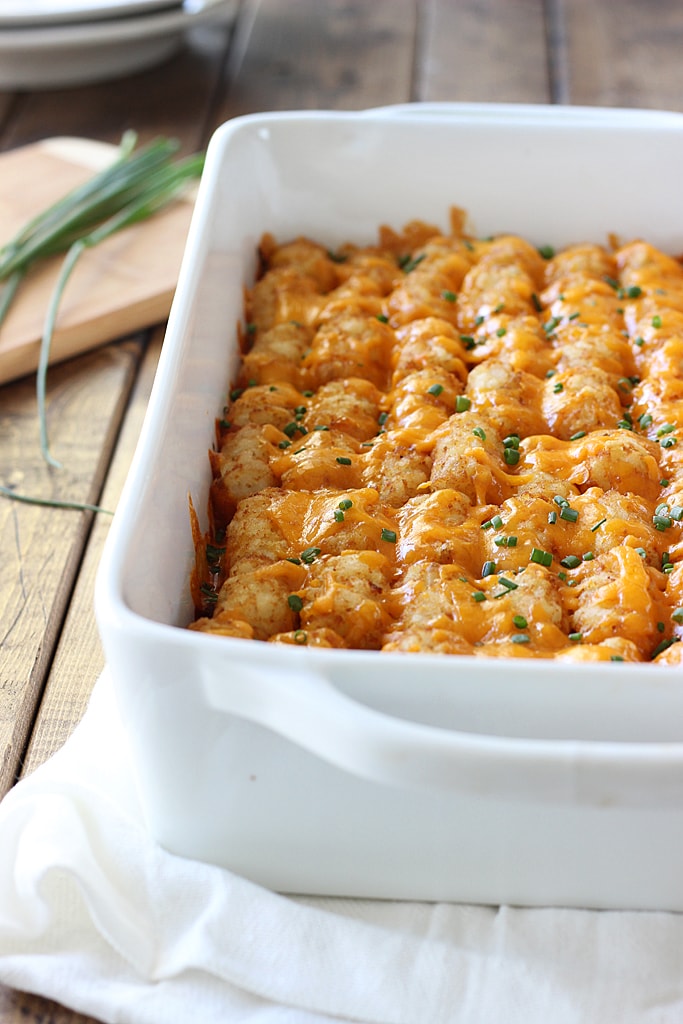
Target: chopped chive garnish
x,y
561,501
634,292
552,518
656,321
294,561
662,522
382,418
511,456
570,514
541,557
500,542
667,428
664,482
309,555
639,341
389,536
382,318
611,282
338,515
488,569
501,332
558,387
284,444
345,504
550,373
520,638
449,296
479,595
468,341
343,461
508,584
676,513
642,552
536,302
478,432
570,561
487,525
677,615
576,637
519,621
546,251
408,265
587,556
462,403
596,526
562,576
295,602
661,627
550,325
320,426
497,522
479,320
300,637
645,420
616,657
214,553
663,645
669,442
435,390
574,316
512,542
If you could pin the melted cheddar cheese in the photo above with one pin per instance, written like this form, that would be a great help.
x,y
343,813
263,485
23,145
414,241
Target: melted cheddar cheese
x,y
461,446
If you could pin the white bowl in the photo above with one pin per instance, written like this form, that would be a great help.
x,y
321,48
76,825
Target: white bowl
x,y
48,55
360,773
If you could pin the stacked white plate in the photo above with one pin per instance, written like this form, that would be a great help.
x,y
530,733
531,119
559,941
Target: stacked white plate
x,y
53,43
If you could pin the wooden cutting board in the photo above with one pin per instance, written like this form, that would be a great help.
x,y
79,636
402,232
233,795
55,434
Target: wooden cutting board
x,y
122,285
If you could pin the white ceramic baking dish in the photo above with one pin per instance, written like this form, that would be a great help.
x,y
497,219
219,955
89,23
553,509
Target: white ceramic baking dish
x,y
360,773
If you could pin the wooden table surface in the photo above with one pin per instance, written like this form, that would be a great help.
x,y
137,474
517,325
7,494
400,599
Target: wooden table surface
x,y
279,54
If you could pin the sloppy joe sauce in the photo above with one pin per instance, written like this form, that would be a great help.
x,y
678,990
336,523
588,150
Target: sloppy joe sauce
x,y
446,444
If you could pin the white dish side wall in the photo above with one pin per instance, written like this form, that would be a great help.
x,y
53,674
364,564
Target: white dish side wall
x,y
556,179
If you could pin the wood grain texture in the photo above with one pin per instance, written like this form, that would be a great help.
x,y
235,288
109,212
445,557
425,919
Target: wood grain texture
x,y
621,55
79,659
482,51
304,54
41,548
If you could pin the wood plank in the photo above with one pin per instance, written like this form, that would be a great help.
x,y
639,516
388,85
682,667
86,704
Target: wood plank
x,y
42,547
625,55
305,54
483,51
79,658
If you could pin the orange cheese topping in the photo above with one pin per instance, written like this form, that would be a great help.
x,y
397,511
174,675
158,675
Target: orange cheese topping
x,y
461,446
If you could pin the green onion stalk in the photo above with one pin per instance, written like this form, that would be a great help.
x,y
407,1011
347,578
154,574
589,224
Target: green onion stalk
x,y
136,185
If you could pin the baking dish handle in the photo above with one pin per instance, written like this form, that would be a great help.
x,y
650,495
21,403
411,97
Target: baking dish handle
x,y
312,713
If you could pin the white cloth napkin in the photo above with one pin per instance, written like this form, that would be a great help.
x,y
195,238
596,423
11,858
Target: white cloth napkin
x,y
97,916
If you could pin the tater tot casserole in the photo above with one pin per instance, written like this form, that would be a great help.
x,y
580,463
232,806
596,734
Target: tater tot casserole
x,y
448,444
